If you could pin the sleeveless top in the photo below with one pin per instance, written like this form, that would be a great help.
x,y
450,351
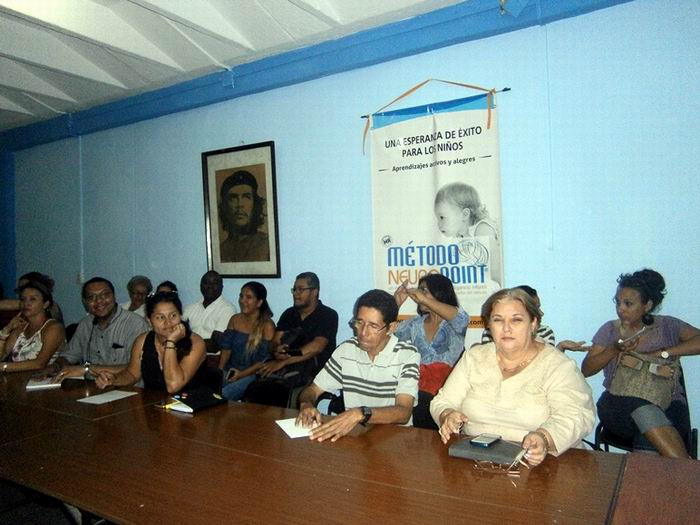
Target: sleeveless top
x,y
152,374
236,342
488,222
27,348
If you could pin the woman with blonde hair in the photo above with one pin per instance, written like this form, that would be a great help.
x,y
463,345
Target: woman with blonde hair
x,y
245,343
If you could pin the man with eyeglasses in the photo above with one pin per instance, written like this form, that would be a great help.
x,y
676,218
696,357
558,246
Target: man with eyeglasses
x,y
377,373
303,342
104,337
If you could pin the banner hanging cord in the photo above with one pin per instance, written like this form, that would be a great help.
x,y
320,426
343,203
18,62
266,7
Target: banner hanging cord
x,y
490,94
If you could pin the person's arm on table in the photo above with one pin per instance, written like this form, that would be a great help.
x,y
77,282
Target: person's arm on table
x,y
53,336
450,422
72,353
309,416
343,423
538,444
446,405
126,376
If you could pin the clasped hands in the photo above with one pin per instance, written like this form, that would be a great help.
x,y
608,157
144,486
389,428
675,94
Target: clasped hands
x,y
403,292
535,443
334,429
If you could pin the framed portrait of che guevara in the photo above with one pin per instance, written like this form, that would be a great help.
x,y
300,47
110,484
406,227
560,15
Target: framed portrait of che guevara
x,y
240,211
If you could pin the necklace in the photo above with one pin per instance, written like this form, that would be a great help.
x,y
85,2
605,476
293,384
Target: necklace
x,y
521,364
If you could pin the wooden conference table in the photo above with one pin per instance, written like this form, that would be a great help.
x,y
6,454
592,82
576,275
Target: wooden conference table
x,y
131,462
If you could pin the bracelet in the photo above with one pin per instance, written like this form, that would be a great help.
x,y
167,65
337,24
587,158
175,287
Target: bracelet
x,y
544,438
170,341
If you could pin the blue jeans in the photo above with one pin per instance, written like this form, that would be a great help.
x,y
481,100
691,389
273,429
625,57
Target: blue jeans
x,y
234,391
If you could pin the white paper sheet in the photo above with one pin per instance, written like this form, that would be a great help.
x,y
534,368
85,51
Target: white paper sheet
x,y
107,397
292,430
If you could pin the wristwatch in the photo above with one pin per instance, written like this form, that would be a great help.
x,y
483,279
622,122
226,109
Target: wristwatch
x,y
665,355
366,415
86,371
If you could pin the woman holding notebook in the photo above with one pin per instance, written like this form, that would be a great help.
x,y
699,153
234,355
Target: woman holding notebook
x,y
516,387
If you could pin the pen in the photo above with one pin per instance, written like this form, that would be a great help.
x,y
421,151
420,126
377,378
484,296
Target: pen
x,y
519,459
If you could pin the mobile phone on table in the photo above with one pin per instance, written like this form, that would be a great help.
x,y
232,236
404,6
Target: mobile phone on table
x,y
484,440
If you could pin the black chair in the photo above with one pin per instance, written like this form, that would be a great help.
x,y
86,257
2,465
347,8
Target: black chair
x,y
604,439
213,378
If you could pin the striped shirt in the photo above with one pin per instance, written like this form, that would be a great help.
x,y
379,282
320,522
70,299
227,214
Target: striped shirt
x,y
364,382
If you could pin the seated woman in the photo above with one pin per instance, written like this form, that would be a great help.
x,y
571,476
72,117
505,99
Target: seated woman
x,y
32,338
166,286
169,357
36,277
633,418
437,332
517,386
139,288
245,343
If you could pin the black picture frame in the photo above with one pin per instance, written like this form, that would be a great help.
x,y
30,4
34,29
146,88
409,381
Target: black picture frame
x,y
242,231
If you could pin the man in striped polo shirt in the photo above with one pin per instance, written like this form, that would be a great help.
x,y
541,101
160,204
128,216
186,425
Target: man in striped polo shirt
x,y
377,373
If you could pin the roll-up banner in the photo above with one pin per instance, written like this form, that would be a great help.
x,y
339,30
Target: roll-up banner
x,y
436,198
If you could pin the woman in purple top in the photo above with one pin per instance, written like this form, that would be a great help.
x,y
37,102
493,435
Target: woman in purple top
x,y
636,329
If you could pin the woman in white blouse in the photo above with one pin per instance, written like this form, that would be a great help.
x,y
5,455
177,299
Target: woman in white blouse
x,y
520,388
32,339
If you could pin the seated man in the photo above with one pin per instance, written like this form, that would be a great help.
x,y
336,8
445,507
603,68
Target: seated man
x,y
377,373
209,317
303,342
103,337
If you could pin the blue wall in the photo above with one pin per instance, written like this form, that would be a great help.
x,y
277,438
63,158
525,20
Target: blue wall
x,y
598,141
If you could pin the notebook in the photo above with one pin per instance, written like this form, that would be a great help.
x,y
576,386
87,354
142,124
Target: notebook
x,y
194,400
502,452
42,382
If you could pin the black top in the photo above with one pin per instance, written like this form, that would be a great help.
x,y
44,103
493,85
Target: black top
x,y
323,322
151,373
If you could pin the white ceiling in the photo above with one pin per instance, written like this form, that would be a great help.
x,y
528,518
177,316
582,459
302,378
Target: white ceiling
x,y
61,56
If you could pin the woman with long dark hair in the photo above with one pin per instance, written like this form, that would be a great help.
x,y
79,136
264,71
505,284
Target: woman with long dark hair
x,y
437,332
169,357
246,342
